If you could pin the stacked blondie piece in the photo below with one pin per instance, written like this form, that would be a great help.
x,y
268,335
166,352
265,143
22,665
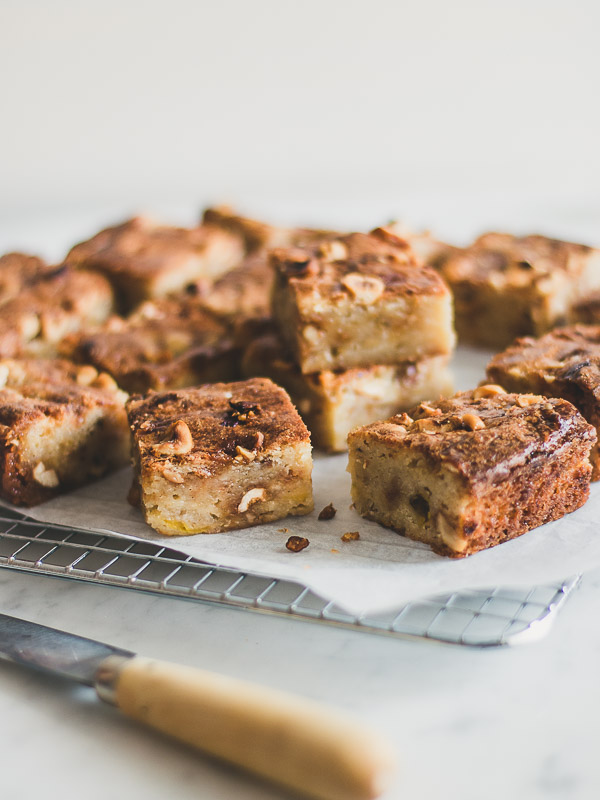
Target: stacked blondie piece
x,y
362,329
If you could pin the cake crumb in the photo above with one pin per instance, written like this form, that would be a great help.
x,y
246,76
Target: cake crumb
x,y
297,543
328,512
350,536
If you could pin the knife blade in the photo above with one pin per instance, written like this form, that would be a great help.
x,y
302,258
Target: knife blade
x,y
290,740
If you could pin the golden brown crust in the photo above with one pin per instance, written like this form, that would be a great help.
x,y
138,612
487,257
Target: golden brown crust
x,y
563,363
18,271
143,259
518,430
220,418
61,303
321,270
167,343
56,391
243,293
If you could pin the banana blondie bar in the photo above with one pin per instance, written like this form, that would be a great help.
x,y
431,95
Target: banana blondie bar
x,y
359,300
144,260
61,425
563,363
469,472
219,457
507,286
332,403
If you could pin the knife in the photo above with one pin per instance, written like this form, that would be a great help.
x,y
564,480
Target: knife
x,y
290,740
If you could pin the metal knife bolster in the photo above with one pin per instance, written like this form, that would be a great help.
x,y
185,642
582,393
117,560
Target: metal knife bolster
x,y
107,677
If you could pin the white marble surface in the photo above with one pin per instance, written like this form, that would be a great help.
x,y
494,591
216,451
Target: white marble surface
x,y
516,722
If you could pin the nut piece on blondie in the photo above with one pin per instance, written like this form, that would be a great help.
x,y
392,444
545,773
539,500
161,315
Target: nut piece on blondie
x,y
220,457
61,303
168,343
563,363
143,259
472,471
507,286
61,425
359,300
333,403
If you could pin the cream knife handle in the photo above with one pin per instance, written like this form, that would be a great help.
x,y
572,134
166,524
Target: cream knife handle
x,y
287,739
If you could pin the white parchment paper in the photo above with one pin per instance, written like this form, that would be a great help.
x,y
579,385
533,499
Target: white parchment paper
x,y
380,570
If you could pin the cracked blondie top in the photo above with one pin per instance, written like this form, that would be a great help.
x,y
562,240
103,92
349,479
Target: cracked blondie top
x,y
563,363
144,259
219,457
471,471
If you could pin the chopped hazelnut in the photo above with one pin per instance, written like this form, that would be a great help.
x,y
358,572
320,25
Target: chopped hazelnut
x,y
327,513
179,442
524,400
243,454
45,477
350,536
334,250
488,390
251,496
297,543
105,381
364,288
388,235
171,475
426,425
86,374
472,422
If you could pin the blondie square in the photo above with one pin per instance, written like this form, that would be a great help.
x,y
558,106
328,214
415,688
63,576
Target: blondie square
x,y
61,425
508,286
472,471
563,363
18,271
63,302
144,260
359,300
333,403
220,457
168,343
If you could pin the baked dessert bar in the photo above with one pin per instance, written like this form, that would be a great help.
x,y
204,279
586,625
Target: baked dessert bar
x,y
144,260
61,425
259,235
333,403
168,343
358,300
18,271
563,363
507,286
218,457
472,471
430,250
66,301
243,293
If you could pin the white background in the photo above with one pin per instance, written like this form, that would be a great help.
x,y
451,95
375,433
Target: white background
x,y
460,115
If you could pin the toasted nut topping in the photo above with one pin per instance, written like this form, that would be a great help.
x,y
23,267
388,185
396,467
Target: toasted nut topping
x,y
45,477
426,425
472,422
328,512
389,236
429,410
243,454
29,326
403,419
297,543
364,288
333,251
105,381
350,536
180,440
524,400
450,536
170,475
251,496
489,390
240,412
86,374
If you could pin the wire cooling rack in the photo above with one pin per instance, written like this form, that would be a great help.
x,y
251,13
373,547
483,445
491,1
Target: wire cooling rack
x,y
478,618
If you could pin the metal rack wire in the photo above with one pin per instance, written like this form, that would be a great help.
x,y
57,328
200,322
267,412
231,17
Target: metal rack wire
x,y
480,618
